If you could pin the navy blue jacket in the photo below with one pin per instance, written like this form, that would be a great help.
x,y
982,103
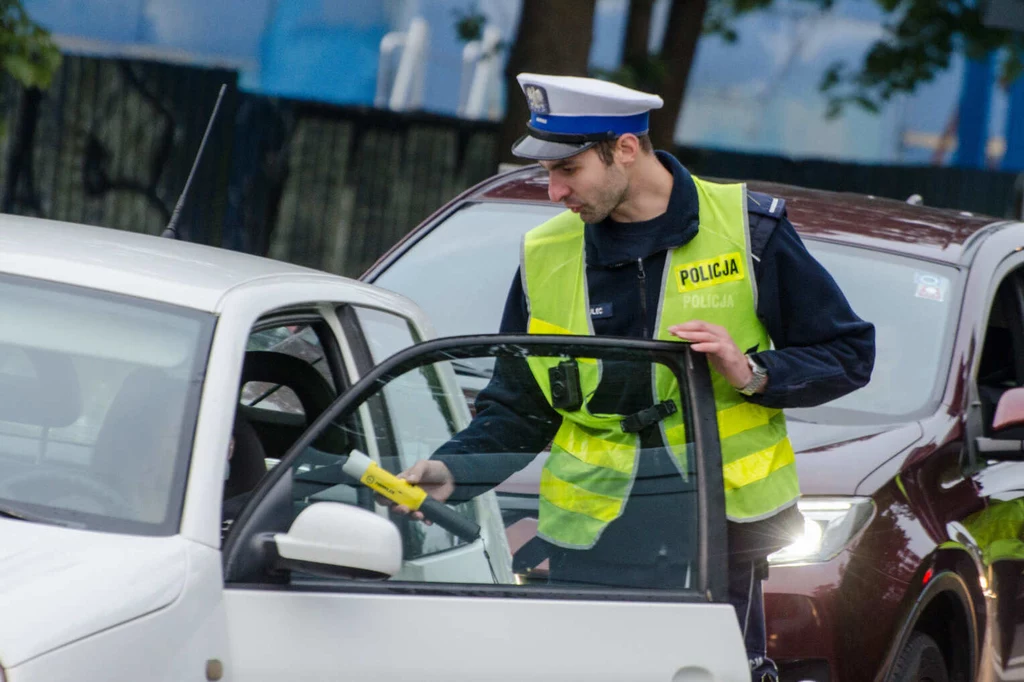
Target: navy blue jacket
x,y
822,349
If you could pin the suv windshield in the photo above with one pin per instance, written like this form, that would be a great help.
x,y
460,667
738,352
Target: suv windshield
x,y
98,401
472,257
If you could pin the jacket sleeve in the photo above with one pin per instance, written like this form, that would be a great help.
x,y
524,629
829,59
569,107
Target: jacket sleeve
x,y
822,349
513,421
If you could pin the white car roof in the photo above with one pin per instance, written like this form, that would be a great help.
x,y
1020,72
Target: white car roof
x,y
159,269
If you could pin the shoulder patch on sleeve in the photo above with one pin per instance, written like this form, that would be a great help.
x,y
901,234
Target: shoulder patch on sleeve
x,y
765,205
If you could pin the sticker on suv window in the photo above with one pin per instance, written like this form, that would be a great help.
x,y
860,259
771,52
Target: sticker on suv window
x,y
930,287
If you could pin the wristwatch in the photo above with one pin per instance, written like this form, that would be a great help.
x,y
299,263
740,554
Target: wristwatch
x,y
757,381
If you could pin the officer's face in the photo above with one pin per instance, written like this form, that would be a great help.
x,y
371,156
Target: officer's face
x,y
585,184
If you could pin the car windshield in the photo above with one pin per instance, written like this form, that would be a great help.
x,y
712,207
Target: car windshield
x,y
473,255
98,400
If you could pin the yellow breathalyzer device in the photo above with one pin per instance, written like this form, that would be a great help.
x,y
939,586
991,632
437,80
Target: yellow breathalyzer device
x,y
370,474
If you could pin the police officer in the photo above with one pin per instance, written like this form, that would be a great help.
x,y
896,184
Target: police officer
x,y
663,255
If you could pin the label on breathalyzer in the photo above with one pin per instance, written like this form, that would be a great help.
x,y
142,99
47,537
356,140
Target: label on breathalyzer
x,y
382,481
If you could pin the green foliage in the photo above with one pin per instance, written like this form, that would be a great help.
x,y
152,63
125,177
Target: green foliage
x,y
919,44
920,40
27,52
649,74
469,24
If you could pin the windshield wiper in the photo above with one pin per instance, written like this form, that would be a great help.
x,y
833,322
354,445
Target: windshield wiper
x,y
9,512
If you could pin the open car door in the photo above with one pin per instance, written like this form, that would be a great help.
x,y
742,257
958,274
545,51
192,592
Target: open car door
x,y
324,582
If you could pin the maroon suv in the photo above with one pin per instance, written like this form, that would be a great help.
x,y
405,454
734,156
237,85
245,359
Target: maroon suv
x,y
911,566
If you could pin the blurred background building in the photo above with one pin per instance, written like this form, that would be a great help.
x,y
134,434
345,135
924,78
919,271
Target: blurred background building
x,y
757,94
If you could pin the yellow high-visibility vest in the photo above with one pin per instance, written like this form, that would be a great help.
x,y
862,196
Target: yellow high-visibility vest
x,y
593,462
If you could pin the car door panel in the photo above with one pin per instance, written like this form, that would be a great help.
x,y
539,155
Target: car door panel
x,y
447,615
369,637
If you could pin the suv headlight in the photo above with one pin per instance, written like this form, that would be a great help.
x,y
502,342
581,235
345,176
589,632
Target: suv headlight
x,y
829,525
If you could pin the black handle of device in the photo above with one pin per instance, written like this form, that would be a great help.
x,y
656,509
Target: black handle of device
x,y
449,519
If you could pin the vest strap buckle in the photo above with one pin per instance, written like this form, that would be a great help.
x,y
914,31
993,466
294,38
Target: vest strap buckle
x,y
650,416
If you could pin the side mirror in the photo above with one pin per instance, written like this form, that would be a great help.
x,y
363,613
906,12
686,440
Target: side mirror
x,y
339,540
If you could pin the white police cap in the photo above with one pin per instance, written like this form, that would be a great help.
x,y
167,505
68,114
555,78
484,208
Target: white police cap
x,y
569,114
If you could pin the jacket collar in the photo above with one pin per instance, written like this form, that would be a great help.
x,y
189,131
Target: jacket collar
x,y
610,243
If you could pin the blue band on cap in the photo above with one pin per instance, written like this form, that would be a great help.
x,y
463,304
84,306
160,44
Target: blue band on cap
x,y
585,125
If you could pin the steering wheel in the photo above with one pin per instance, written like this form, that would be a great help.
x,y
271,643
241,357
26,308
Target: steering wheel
x,y
50,484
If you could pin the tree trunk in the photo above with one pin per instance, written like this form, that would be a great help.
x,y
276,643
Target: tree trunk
x,y
638,31
685,21
554,38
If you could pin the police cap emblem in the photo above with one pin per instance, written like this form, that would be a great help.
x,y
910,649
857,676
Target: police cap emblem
x,y
537,98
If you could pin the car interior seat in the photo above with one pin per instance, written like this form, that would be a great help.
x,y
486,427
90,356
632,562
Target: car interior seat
x,y
49,396
313,391
248,461
136,446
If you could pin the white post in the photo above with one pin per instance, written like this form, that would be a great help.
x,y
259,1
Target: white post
x,y
470,55
389,45
408,86
481,88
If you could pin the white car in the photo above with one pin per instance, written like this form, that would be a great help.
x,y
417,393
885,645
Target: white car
x,y
173,423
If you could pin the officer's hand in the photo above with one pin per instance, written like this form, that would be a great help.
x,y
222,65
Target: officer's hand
x,y
723,354
432,476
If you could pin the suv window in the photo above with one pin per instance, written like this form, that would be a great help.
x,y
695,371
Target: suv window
x,y
473,256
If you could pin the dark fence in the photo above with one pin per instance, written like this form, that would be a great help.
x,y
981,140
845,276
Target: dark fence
x,y
112,142
333,188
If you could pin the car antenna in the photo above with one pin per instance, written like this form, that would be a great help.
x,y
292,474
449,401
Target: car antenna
x,y
171,229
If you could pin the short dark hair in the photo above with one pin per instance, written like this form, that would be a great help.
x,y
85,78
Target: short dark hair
x,y
606,148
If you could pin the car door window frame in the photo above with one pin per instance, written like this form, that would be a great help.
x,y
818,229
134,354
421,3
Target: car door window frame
x,y
695,381
1009,270
371,412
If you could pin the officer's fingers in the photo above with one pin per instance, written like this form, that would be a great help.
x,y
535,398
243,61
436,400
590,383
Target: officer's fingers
x,y
724,335
717,330
405,511
694,336
708,347
720,333
692,325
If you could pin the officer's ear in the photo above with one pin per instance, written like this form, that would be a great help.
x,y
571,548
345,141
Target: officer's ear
x,y
627,149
